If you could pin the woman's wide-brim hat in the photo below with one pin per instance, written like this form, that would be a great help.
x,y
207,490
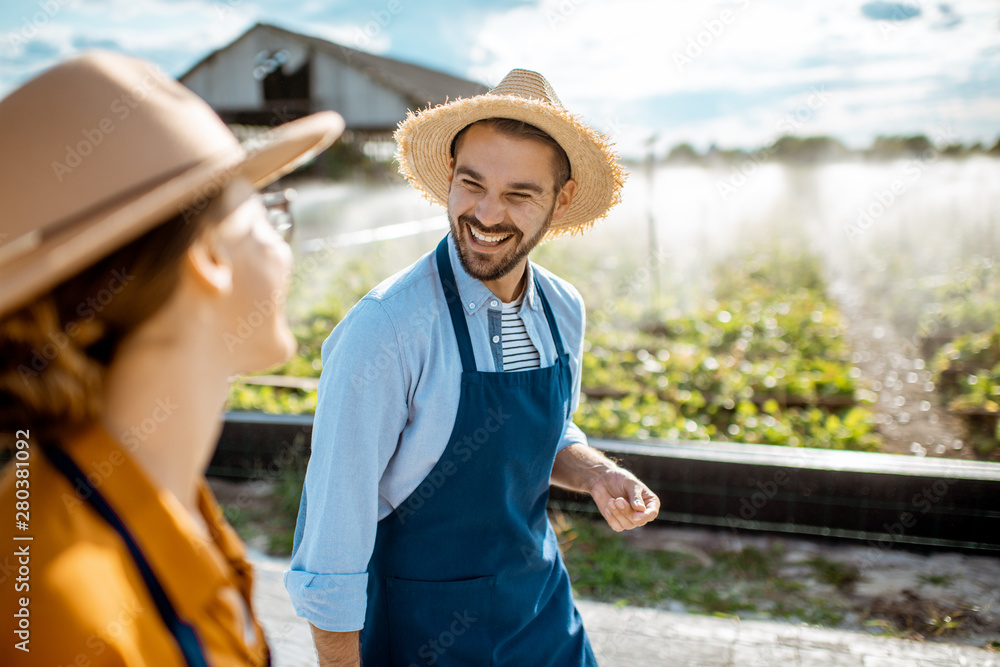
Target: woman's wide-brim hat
x,y
102,148
424,145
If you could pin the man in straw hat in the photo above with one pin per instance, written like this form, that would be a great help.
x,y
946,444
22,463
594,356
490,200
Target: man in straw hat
x,y
132,243
445,408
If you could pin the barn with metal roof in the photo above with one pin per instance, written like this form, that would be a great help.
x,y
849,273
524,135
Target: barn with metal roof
x,y
270,75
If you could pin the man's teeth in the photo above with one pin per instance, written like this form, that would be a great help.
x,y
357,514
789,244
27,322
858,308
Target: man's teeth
x,y
489,238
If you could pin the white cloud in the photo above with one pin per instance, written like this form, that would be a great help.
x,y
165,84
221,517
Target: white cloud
x,y
883,75
619,64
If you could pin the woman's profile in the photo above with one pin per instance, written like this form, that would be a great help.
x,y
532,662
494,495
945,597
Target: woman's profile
x,y
132,240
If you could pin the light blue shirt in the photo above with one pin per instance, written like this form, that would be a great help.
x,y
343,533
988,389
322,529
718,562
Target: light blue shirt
x,y
388,398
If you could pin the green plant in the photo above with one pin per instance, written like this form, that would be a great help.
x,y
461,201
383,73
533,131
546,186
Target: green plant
x,y
286,495
769,368
886,629
967,372
835,573
762,359
935,579
740,583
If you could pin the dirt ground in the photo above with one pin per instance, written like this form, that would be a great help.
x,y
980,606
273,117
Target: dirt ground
x,y
935,596
958,593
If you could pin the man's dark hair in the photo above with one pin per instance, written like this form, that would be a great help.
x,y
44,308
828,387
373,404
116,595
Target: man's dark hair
x,y
520,130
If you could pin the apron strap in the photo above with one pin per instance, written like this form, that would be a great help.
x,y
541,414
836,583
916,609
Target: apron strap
x,y
185,635
458,314
556,338
455,307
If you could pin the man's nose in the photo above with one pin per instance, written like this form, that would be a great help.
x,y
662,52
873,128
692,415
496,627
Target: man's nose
x,y
490,210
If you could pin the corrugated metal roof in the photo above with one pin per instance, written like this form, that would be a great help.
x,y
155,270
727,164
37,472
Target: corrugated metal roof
x,y
418,85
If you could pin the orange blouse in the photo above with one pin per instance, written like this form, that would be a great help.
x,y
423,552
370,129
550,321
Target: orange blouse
x,y
76,587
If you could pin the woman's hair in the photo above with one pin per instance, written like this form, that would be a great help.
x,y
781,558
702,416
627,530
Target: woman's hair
x,y
55,351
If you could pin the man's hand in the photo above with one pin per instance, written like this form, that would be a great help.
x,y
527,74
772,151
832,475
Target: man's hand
x,y
623,500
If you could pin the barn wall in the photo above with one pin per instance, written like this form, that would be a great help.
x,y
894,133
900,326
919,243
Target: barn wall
x,y
362,102
226,80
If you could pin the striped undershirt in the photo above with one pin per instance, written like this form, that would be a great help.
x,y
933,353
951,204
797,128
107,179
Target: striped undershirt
x,y
519,354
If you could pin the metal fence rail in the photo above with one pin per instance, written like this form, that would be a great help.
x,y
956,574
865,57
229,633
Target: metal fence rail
x,y
882,499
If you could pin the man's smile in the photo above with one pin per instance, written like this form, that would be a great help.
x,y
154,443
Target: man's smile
x,y
489,239
486,242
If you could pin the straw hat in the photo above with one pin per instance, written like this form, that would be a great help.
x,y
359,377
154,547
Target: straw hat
x,y
102,148
425,137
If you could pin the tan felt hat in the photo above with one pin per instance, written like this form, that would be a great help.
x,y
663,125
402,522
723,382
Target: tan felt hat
x,y
424,145
102,148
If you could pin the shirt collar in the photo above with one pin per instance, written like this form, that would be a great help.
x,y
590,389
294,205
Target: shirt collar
x,y
474,293
190,568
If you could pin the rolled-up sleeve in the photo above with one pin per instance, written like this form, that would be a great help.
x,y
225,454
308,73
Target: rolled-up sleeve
x,y
360,414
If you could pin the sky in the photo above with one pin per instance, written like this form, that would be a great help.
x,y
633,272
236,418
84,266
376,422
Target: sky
x,y
647,73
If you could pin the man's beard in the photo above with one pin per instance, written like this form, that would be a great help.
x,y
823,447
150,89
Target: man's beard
x,y
496,267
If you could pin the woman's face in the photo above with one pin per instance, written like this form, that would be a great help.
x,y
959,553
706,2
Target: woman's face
x,y
257,334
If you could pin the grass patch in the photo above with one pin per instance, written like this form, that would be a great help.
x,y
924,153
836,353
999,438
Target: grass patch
x,y
287,495
929,579
835,573
910,615
267,521
743,583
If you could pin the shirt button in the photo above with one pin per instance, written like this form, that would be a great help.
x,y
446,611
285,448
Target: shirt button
x,y
493,303
472,305
496,339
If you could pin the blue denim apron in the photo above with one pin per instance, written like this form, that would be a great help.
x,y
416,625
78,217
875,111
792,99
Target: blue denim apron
x,y
467,570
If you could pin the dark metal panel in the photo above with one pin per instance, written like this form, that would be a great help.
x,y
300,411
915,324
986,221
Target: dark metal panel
x,y
883,499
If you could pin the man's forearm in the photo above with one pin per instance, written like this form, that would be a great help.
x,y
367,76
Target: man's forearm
x,y
337,649
578,466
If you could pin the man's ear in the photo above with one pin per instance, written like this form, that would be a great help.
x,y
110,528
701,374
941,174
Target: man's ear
x,y
563,200
209,262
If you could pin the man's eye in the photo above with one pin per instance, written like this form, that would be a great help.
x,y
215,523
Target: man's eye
x,y
471,184
523,196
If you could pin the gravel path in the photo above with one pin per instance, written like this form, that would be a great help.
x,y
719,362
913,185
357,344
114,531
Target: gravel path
x,y
633,637
909,416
